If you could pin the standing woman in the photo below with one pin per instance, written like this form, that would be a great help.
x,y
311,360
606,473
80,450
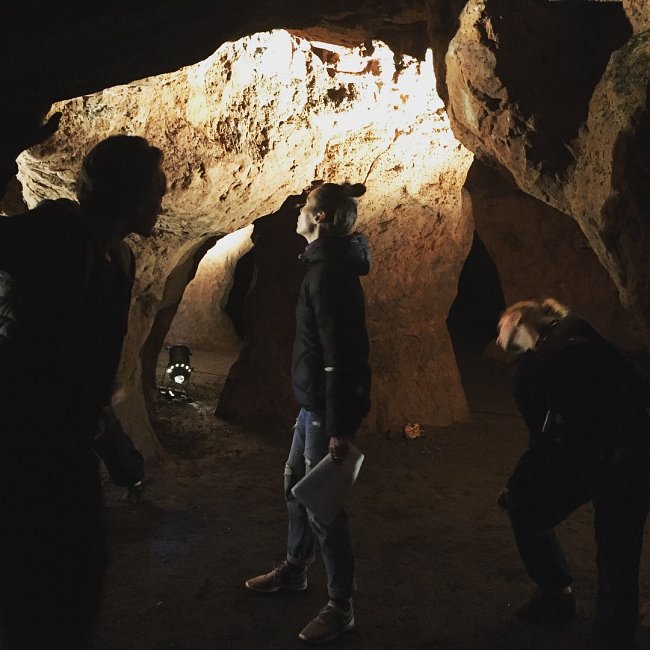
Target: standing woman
x,y
331,382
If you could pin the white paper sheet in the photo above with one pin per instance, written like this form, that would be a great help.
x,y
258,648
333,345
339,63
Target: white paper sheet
x,y
324,487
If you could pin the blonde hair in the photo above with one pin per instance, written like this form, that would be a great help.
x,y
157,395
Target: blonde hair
x,y
539,314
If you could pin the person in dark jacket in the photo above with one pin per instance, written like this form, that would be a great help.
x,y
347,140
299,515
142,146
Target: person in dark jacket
x,y
584,405
331,381
65,284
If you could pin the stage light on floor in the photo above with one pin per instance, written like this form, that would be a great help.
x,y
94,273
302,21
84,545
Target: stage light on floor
x,y
177,374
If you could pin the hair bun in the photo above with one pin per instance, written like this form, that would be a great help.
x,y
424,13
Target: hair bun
x,y
355,190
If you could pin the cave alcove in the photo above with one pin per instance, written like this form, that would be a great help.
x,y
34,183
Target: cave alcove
x,y
236,316
201,323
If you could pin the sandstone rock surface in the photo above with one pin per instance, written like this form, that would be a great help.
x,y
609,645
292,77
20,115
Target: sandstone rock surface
x,y
567,128
638,11
200,321
539,252
258,121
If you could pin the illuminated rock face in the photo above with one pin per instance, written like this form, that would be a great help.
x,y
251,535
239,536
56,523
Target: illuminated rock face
x,y
638,11
539,251
568,129
257,122
200,321
519,84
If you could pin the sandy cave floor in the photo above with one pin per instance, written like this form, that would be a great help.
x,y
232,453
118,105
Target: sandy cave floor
x,y
436,563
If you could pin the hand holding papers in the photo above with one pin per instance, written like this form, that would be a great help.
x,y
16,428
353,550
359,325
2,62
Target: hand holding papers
x,y
324,487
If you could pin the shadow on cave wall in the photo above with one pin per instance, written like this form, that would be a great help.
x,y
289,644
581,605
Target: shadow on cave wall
x,y
258,387
235,305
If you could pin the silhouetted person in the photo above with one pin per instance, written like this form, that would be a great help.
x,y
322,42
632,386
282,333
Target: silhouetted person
x,y
122,460
331,381
65,284
590,441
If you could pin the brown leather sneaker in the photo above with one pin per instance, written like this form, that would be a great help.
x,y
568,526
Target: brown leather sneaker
x,y
282,577
331,622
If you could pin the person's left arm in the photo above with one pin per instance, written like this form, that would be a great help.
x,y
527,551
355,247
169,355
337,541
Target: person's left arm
x,y
340,317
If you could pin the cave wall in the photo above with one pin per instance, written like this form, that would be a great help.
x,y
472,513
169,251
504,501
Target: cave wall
x,y
260,120
200,320
556,96
541,252
638,12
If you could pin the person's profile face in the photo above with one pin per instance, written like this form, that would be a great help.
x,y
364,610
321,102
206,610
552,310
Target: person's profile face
x,y
307,219
151,205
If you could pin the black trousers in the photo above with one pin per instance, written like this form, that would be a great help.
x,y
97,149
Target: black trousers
x,y
546,487
53,550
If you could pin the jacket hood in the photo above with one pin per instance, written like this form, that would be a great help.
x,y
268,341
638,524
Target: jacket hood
x,y
352,250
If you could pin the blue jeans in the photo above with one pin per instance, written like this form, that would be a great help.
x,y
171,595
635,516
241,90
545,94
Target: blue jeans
x,y
310,444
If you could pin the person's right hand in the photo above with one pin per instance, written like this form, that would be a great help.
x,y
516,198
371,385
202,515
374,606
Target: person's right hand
x,y
338,449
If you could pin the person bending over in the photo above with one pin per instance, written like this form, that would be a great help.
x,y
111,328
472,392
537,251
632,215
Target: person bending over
x,y
584,405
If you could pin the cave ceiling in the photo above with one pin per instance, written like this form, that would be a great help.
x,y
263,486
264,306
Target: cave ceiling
x,y
56,51
531,90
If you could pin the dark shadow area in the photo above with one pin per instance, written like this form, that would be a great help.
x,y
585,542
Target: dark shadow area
x,y
550,58
474,314
258,387
472,324
426,531
236,303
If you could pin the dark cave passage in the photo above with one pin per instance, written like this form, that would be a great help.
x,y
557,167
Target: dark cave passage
x,y
473,316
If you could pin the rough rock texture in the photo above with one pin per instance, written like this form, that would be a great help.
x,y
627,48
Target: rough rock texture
x,y
520,79
530,85
610,192
156,297
541,252
539,96
54,51
200,321
443,23
638,11
257,122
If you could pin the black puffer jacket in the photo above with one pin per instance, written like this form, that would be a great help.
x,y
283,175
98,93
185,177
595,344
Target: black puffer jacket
x,y
330,369
578,390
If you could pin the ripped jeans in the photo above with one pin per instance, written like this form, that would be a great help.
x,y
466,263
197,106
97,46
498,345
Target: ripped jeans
x,y
310,444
